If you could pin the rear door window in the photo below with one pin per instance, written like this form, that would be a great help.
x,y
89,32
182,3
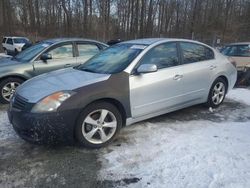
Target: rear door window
x,y
64,51
193,52
87,49
9,41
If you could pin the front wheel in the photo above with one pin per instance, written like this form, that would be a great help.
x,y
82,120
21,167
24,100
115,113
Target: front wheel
x,y
16,52
217,93
8,87
98,124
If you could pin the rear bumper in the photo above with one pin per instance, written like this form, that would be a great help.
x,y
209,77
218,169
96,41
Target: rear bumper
x,y
232,79
44,128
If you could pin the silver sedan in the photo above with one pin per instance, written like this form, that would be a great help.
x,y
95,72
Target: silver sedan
x,y
126,83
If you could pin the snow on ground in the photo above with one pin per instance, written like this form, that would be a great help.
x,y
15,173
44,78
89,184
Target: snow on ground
x,y
3,55
240,95
180,154
186,150
6,130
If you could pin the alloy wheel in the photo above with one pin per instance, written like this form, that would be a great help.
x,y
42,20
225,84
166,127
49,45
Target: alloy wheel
x,y
99,126
218,93
9,89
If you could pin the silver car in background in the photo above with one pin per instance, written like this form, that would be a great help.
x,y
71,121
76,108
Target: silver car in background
x,y
43,57
126,83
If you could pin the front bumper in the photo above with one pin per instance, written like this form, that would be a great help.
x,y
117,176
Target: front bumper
x,y
44,128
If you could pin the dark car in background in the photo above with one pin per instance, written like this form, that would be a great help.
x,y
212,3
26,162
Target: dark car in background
x,y
114,41
43,57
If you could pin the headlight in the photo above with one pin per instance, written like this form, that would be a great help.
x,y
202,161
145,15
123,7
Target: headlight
x,y
52,102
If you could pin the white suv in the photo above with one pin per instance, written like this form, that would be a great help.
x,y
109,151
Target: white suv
x,y
14,44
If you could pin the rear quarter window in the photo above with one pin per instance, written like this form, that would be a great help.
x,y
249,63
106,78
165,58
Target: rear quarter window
x,y
193,52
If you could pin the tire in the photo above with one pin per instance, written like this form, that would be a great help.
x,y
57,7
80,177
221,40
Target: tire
x,y
216,95
16,52
5,51
92,131
11,84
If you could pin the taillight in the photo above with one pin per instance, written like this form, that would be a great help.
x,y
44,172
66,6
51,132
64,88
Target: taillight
x,y
232,61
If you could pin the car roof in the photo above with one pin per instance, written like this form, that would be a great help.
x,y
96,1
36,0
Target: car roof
x,y
57,40
146,41
15,37
238,43
150,41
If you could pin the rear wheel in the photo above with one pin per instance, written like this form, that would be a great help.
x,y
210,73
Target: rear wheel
x,y
5,51
8,87
217,93
98,124
16,52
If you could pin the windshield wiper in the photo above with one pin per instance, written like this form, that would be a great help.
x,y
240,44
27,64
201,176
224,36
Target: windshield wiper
x,y
86,69
13,58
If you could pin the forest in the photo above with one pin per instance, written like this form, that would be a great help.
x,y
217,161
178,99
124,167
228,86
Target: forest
x,y
209,21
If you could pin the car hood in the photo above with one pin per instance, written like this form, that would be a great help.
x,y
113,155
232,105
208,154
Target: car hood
x,y
65,79
19,44
7,61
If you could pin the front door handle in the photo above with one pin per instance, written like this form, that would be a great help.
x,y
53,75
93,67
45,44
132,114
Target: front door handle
x,y
178,77
212,67
67,65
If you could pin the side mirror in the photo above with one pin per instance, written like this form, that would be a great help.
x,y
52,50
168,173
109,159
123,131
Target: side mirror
x,y
45,57
147,68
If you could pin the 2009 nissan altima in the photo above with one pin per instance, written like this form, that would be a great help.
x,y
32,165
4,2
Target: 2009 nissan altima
x,y
126,83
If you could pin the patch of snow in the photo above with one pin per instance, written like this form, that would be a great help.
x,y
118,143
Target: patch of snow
x,y
197,154
189,153
6,130
240,95
211,109
2,55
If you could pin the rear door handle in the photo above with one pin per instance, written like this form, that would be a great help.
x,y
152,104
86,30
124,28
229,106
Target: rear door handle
x,y
67,65
212,67
178,77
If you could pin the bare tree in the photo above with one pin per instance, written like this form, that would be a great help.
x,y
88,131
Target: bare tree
x,y
106,19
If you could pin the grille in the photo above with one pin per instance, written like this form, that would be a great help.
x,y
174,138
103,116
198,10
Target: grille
x,y
19,102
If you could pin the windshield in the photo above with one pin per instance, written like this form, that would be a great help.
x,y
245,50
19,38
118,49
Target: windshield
x,y
20,40
237,50
112,60
29,53
228,50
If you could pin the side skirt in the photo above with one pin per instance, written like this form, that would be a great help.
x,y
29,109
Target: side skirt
x,y
132,120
